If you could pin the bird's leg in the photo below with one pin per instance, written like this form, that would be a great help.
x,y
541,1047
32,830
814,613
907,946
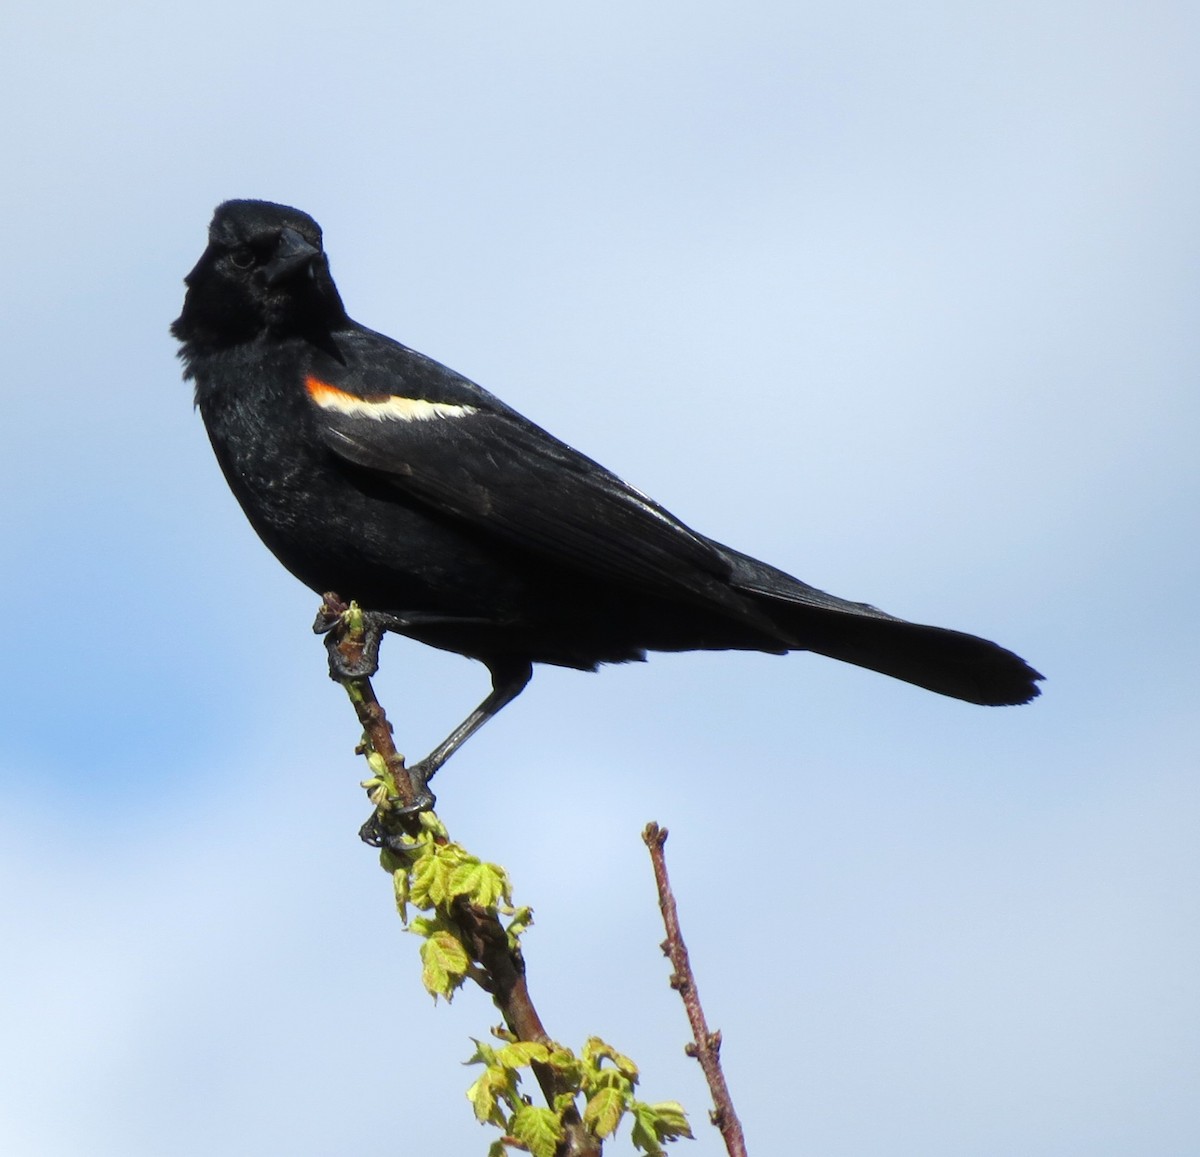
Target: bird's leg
x,y
352,641
509,678
385,829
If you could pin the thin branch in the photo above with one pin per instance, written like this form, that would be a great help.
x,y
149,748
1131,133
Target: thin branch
x,y
503,967
707,1045
350,641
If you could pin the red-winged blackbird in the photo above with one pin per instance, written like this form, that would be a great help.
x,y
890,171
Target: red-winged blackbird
x,y
371,470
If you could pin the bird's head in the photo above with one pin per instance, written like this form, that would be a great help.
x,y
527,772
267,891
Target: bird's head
x,y
264,271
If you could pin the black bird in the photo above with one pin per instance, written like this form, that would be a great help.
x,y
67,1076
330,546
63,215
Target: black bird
x,y
371,470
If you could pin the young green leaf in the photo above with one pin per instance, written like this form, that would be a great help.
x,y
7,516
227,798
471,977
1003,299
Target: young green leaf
x,y
487,1093
603,1112
476,881
522,919
539,1129
444,964
653,1124
400,886
567,1066
484,1054
430,877
519,1054
596,1050
671,1120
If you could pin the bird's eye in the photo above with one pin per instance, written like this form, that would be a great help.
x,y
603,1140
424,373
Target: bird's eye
x,y
242,258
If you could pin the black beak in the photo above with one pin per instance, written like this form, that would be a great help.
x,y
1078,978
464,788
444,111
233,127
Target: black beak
x,y
291,255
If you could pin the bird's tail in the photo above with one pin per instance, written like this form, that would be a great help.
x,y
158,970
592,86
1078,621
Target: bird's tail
x,y
948,662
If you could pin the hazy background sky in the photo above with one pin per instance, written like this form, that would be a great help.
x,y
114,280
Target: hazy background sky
x,y
900,297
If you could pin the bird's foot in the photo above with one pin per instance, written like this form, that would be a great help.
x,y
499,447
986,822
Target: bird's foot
x,y
352,637
391,825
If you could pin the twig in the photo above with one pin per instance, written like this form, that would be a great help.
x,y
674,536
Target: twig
x,y
707,1045
349,638
503,968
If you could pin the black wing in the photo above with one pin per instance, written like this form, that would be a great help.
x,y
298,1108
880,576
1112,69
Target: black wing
x,y
511,479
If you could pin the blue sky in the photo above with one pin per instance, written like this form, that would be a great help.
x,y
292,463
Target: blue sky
x,y
900,297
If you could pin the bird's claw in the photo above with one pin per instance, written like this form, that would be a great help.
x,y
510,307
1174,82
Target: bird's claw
x,y
390,828
352,638
392,821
